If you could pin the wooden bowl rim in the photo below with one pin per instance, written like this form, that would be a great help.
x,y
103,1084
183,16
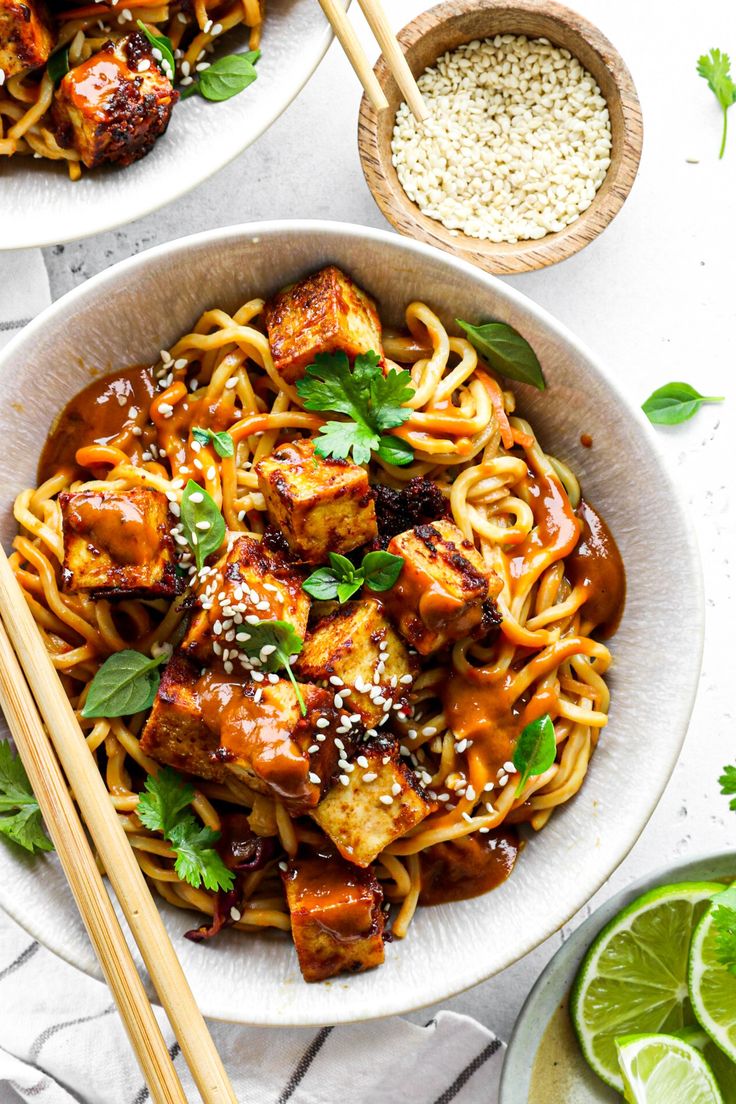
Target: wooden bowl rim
x,y
506,258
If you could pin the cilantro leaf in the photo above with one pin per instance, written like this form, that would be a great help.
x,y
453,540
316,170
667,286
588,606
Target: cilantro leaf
x,y
273,644
728,784
163,799
715,67
724,921
23,825
373,402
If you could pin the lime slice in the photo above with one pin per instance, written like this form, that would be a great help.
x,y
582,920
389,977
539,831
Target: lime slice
x,y
722,1068
662,1069
712,985
634,977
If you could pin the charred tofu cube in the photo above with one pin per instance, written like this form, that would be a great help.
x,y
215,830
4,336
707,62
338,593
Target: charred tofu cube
x,y
248,581
445,591
26,39
356,644
323,313
176,732
319,505
381,802
266,741
113,106
118,544
336,916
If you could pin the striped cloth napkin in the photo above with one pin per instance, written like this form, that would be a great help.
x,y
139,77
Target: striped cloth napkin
x,y
61,1041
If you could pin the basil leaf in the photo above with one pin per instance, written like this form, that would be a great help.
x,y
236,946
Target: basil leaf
x,y
381,570
321,584
286,642
222,441
126,683
507,351
58,65
535,751
395,450
342,567
675,403
202,523
166,62
225,77
348,589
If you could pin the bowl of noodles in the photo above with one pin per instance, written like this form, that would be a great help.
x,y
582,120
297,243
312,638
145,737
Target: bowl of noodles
x,y
514,512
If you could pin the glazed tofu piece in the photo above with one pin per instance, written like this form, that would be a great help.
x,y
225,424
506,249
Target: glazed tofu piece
x,y
118,544
336,916
445,591
319,505
113,106
323,313
176,732
358,644
265,740
26,38
381,801
248,581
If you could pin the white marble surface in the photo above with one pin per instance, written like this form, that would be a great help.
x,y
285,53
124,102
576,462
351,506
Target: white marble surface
x,y
654,296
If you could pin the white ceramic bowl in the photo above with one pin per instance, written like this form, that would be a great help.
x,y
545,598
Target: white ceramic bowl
x,y
129,312
39,205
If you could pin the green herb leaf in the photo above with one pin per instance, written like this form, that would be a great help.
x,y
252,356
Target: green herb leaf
x,y
164,797
507,351
345,591
126,683
535,750
286,642
381,570
23,824
724,921
322,584
371,400
716,69
163,46
395,450
202,523
225,77
57,66
728,784
222,441
675,403
378,571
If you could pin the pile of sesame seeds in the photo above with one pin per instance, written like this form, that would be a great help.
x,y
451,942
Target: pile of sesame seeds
x,y
517,142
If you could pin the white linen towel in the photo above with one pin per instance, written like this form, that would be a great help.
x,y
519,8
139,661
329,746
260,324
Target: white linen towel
x,y
61,1040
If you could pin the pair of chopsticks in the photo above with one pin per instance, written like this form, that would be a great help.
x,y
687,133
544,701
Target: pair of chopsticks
x,y
31,694
395,60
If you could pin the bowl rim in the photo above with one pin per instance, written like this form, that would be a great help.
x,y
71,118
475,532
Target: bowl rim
x,y
502,258
397,1003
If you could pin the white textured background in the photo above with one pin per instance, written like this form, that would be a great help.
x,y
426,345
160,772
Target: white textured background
x,y
655,297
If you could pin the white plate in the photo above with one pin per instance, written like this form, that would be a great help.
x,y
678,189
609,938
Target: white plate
x,y
573,1077
129,312
41,206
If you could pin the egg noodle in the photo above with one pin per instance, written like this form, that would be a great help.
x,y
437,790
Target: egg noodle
x,y
515,503
26,98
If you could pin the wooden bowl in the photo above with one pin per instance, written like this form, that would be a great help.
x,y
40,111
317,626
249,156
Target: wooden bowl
x,y
459,21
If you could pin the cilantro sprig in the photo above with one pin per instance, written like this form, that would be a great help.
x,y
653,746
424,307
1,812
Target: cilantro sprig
x,y
378,571
20,817
727,783
715,67
373,402
161,808
276,644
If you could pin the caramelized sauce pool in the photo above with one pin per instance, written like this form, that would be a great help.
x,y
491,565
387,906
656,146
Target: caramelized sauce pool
x,y
467,867
118,526
596,564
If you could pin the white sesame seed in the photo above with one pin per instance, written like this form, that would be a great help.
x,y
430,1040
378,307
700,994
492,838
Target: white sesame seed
x,y
362,761
502,779
344,779
386,799
144,65
370,776
233,381
322,722
312,749
283,866
429,730
509,767
314,778
320,737
396,789
235,914
405,680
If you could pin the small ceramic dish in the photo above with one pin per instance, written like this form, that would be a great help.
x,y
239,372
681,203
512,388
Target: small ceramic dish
x,y
446,27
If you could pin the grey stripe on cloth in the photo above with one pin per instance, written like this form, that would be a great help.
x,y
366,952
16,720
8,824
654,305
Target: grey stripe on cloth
x,y
472,1067
43,1038
303,1065
32,1090
16,324
19,961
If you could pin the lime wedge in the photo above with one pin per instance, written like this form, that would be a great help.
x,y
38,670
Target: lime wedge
x,y
662,1069
712,985
722,1068
634,977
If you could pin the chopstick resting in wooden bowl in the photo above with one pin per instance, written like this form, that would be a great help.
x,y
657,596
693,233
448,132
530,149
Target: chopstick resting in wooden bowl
x,y
28,650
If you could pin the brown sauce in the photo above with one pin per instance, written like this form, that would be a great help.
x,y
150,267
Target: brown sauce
x,y
343,899
597,565
482,711
467,867
556,530
118,525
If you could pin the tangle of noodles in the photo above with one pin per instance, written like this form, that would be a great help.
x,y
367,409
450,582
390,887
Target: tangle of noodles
x,y
515,503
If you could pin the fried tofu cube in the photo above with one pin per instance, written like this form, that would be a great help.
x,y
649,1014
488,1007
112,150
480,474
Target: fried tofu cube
x,y
26,38
118,544
113,106
319,505
324,313
265,740
249,580
336,916
445,591
176,732
381,802
356,643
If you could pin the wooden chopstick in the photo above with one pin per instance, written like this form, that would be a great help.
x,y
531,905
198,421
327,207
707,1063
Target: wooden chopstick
x,y
109,838
85,881
348,39
378,22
